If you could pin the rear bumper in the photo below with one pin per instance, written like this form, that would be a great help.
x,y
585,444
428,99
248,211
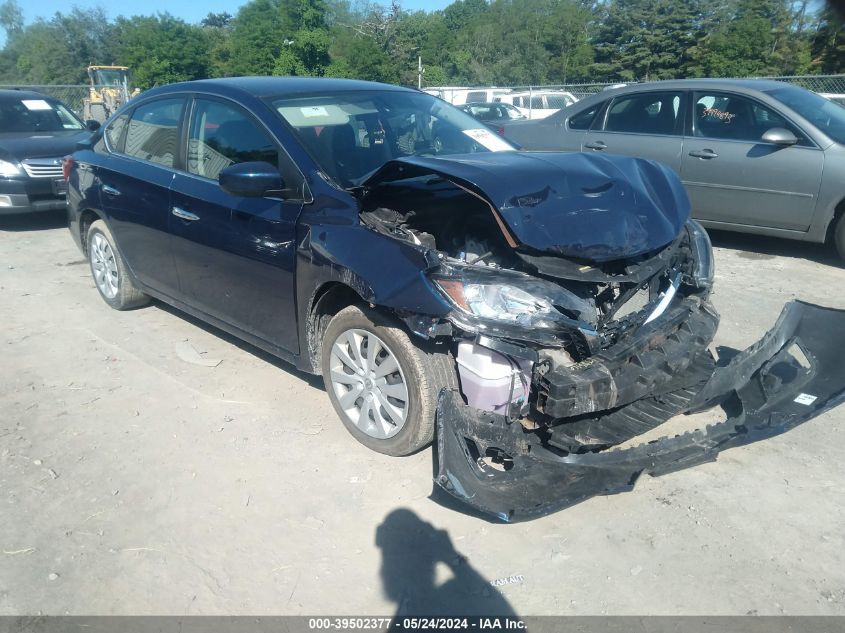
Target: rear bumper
x,y
763,391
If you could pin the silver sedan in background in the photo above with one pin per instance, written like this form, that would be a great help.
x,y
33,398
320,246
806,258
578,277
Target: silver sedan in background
x,y
755,156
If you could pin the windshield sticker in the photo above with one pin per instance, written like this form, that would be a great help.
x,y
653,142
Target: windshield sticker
x,y
314,111
487,139
36,104
721,115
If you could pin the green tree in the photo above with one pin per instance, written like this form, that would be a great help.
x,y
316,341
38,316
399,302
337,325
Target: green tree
x,y
307,52
161,49
754,37
828,44
259,31
58,50
644,39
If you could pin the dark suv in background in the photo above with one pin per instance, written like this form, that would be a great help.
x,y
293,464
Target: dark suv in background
x,y
36,132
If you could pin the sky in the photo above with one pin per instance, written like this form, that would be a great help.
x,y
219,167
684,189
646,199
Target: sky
x,y
188,10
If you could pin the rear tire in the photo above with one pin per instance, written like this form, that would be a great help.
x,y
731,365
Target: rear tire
x,y
392,413
109,271
839,236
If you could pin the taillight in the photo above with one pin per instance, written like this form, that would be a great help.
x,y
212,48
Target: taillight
x,y
501,131
67,165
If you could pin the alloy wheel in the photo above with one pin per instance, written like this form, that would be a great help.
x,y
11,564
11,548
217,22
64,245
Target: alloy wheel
x,y
369,384
104,266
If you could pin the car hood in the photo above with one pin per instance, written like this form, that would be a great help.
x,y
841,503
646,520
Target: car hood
x,y
586,206
21,145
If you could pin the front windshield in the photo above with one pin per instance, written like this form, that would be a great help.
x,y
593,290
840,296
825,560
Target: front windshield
x,y
108,77
826,115
36,115
352,134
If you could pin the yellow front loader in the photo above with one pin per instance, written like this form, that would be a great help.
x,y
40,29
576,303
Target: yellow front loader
x,y
108,90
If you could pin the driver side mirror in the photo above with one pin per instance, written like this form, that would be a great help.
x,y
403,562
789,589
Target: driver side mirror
x,y
779,136
92,125
251,180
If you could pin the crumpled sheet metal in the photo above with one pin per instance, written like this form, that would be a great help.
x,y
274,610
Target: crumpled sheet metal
x,y
763,391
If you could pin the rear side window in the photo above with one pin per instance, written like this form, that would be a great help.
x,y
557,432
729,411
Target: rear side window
x,y
153,131
583,120
114,132
650,113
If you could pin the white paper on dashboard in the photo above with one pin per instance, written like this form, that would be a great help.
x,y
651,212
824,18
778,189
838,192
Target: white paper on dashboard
x,y
489,140
36,104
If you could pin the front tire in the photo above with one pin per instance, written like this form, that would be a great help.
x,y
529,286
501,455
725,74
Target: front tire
x,y
839,236
382,385
109,271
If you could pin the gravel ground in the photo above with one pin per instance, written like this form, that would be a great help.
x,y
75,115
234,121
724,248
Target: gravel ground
x,y
138,475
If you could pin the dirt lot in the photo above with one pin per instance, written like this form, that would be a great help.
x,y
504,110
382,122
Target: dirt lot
x,y
137,478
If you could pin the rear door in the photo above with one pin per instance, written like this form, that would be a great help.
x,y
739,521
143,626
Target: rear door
x,y
642,124
733,177
135,188
235,256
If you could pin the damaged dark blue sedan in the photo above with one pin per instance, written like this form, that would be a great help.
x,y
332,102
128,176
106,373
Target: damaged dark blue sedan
x,y
533,311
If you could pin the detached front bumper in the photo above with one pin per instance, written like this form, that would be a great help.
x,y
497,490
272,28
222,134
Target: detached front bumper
x,y
794,373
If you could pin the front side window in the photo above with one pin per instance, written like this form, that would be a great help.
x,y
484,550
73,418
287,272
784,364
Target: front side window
x,y
731,117
153,131
351,134
36,115
223,134
649,113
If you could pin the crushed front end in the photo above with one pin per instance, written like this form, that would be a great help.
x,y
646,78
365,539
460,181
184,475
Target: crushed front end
x,y
580,319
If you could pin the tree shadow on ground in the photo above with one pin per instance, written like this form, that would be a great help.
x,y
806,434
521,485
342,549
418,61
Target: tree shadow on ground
x,y
412,550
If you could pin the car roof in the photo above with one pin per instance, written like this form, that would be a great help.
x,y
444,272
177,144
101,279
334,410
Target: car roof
x,y
277,86
11,95
748,86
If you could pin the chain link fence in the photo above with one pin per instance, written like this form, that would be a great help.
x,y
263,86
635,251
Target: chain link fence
x,y
829,85
71,96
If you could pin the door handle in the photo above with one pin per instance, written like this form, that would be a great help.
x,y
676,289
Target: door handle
x,y
184,215
704,153
110,191
597,145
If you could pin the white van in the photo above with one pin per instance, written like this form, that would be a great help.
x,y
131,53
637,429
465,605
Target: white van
x,y
460,96
540,103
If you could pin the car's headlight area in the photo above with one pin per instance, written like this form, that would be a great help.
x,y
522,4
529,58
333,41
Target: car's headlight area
x,y
8,169
495,297
500,302
703,268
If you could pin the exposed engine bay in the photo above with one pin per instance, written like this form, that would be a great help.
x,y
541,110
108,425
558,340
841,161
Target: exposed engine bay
x,y
579,314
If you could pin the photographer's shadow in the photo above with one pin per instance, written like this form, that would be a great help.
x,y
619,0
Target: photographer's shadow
x,y
411,551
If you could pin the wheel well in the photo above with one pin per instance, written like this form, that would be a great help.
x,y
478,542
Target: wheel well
x,y
329,299
838,212
86,219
